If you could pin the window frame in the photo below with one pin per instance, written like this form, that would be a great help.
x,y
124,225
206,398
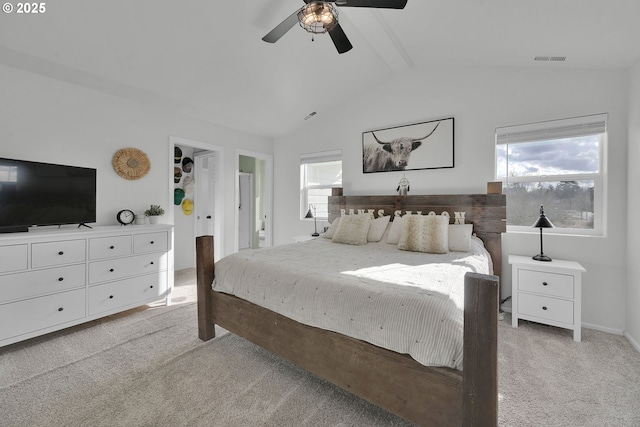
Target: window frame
x,y
558,129
315,158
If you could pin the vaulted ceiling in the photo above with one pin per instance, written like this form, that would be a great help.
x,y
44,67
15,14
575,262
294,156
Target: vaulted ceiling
x,y
206,58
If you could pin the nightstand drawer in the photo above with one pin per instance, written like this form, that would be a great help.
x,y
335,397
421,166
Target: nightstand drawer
x,y
541,282
546,308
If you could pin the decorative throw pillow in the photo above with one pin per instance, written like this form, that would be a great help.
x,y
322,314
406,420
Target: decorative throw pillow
x,y
396,226
332,228
460,237
425,233
353,229
377,227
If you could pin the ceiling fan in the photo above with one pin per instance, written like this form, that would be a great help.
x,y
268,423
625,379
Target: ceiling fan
x,y
319,17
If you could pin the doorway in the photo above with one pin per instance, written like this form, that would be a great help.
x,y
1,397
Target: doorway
x,y
246,212
254,180
207,194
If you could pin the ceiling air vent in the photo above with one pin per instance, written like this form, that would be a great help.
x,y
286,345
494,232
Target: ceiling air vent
x,y
550,58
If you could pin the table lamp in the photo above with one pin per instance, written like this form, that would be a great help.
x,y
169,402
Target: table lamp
x,y
542,222
315,220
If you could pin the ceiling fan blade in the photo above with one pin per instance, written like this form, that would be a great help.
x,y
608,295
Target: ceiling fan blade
x,y
382,4
282,28
340,39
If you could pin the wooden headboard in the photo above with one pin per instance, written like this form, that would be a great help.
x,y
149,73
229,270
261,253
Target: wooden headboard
x,y
487,213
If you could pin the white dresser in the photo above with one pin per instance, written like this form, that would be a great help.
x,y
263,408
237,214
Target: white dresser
x,y
547,292
51,279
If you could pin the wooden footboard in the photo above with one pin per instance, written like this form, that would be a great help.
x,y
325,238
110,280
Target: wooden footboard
x,y
427,396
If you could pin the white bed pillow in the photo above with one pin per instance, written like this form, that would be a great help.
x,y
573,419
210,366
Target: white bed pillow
x,y
460,237
396,227
353,229
425,233
377,227
332,228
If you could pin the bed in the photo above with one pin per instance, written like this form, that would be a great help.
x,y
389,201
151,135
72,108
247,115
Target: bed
x,y
426,395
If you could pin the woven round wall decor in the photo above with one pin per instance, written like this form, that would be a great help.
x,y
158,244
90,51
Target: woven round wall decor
x,y
131,163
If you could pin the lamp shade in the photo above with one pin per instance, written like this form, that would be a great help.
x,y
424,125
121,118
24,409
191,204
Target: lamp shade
x,y
309,214
542,221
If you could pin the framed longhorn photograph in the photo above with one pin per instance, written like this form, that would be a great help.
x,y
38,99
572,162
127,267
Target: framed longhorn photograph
x,y
427,145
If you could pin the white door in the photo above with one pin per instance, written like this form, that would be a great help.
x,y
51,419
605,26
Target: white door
x,y
205,176
245,211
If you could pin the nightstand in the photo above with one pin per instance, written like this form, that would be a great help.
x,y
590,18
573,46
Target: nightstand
x,y
547,292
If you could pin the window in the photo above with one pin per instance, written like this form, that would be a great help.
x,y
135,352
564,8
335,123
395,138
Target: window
x,y
557,164
319,173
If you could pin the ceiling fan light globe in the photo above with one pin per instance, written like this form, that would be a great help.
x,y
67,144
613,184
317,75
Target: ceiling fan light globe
x,y
318,17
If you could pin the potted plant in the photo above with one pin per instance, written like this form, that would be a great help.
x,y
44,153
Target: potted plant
x,y
153,213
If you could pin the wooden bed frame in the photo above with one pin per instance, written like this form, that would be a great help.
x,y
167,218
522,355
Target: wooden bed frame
x,y
426,396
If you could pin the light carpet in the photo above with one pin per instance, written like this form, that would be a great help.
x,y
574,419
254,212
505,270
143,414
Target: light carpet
x,y
146,367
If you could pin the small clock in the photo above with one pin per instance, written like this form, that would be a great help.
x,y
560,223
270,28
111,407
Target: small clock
x,y
125,217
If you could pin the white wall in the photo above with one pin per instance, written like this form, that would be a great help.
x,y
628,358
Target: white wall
x,y
480,99
42,119
633,225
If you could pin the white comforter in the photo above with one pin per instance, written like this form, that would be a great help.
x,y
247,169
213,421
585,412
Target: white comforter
x,y
408,302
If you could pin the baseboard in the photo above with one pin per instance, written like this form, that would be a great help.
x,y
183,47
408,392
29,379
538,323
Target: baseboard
x,y
602,328
631,340
506,307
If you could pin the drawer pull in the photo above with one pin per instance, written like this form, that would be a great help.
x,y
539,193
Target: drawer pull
x,y
60,253
60,279
152,242
111,270
544,307
112,247
151,286
60,309
151,262
110,296
544,283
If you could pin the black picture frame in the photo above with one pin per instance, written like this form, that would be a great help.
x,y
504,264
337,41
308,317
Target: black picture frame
x,y
394,148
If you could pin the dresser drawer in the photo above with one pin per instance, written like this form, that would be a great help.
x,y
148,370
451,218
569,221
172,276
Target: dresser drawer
x,y
39,313
552,284
13,258
546,308
128,292
150,242
107,247
57,253
34,283
116,269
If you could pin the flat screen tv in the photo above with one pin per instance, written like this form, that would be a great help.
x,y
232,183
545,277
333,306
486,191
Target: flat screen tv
x,y
33,193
